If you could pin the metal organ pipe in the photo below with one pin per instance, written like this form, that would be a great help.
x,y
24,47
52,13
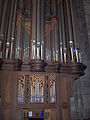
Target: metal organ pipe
x,y
42,29
19,30
3,25
60,32
38,30
31,44
77,52
34,20
71,38
13,31
63,33
9,31
54,31
1,10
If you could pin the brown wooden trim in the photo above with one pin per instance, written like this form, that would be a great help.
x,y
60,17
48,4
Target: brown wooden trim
x,y
37,65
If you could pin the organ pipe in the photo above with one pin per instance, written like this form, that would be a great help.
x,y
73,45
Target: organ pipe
x,y
1,10
60,32
42,29
63,33
9,31
19,30
13,31
52,34
34,19
71,38
38,30
77,52
3,25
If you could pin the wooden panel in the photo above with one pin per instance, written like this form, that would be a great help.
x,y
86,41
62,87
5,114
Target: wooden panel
x,y
7,88
6,114
53,114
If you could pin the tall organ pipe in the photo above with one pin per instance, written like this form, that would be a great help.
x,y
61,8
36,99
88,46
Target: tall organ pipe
x,y
9,30
60,32
3,25
77,52
71,38
34,30
63,33
1,10
42,29
19,30
54,31
38,30
37,50
13,31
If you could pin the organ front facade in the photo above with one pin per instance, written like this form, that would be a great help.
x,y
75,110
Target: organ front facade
x,y
40,59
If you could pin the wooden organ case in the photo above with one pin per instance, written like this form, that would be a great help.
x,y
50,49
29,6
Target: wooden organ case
x,y
39,60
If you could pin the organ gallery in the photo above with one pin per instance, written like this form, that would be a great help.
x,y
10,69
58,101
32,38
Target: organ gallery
x,y
39,59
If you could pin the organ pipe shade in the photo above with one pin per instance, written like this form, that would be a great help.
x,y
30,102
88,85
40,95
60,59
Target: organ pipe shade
x,y
36,29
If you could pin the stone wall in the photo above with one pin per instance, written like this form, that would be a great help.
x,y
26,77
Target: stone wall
x,y
81,97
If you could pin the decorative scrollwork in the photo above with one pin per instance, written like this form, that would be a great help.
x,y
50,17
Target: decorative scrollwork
x,y
52,79
49,25
40,79
27,26
21,79
27,86
19,16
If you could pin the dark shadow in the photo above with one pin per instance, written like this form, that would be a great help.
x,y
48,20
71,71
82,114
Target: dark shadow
x,y
36,119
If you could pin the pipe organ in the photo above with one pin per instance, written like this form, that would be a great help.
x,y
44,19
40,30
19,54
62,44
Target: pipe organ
x,y
39,59
38,30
